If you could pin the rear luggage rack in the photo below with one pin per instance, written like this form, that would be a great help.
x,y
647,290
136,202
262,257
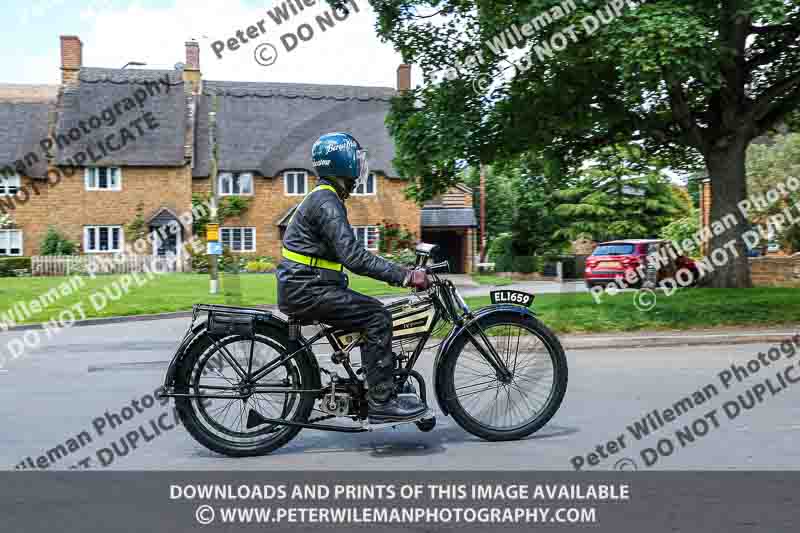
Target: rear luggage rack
x,y
197,308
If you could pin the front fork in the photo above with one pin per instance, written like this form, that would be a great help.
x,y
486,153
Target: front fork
x,y
487,351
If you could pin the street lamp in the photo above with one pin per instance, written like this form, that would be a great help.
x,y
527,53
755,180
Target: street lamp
x,y
134,63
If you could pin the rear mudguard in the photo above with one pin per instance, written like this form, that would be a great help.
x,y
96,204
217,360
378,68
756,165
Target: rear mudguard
x,y
263,322
444,348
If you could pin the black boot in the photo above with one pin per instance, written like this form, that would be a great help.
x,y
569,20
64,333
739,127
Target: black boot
x,y
385,405
396,408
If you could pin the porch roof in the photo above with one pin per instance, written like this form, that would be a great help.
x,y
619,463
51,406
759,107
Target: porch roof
x,y
449,217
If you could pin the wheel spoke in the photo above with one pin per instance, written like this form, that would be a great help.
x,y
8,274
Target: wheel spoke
x,y
219,368
508,404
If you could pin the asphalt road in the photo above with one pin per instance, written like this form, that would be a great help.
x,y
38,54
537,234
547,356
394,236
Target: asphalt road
x,y
52,394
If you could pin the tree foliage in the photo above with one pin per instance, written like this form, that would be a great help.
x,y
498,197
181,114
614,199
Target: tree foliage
x,y
774,166
773,163
682,228
692,81
521,202
620,195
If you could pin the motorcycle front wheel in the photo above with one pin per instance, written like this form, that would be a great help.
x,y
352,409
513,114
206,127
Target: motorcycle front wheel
x,y
224,424
497,409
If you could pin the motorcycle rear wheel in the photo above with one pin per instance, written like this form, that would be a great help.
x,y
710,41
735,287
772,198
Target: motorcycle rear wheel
x,y
221,424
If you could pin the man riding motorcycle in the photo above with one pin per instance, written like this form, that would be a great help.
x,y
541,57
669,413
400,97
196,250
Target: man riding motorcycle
x,y
317,245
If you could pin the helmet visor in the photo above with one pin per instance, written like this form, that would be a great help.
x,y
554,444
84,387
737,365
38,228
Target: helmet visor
x,y
363,167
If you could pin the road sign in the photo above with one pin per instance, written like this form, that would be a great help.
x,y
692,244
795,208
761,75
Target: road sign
x,y
214,248
212,232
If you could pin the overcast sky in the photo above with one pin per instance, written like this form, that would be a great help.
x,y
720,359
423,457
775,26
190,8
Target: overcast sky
x,y
154,31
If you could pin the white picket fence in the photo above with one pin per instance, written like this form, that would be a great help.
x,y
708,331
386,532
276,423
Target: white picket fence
x,y
67,265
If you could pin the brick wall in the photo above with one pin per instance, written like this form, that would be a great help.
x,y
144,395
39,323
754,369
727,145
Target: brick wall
x,y
705,208
775,271
270,203
69,206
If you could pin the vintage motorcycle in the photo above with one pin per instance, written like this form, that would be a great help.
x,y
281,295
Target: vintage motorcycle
x,y
246,381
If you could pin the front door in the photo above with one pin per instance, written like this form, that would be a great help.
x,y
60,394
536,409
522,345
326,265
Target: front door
x,y
166,242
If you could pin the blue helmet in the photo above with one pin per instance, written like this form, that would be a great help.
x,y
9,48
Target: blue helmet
x,y
339,155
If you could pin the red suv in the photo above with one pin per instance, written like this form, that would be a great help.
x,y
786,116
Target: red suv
x,y
611,260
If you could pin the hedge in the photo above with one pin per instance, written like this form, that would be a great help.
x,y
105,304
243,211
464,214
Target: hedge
x,y
9,264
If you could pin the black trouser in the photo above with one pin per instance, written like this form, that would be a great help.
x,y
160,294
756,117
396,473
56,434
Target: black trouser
x,y
308,298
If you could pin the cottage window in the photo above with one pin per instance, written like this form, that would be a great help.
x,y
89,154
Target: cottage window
x,y
103,179
367,236
102,239
366,189
239,239
295,183
9,185
235,184
10,242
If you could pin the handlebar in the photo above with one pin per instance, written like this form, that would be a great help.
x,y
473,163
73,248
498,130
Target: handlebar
x,y
444,266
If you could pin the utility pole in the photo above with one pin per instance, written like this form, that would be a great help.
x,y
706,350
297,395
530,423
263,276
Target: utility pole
x,y
213,259
483,212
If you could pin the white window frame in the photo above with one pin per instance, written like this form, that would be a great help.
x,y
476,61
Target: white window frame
x,y
295,174
374,192
86,240
242,240
365,241
229,176
9,181
92,174
6,234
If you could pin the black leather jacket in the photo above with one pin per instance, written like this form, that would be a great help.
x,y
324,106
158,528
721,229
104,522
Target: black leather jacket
x,y
319,228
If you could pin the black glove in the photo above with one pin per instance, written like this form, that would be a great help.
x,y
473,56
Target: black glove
x,y
418,279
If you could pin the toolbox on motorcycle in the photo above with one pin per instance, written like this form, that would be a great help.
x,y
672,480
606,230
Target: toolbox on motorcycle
x,y
230,324
225,320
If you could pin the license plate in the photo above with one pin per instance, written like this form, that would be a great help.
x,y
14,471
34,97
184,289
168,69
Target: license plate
x,y
511,297
611,264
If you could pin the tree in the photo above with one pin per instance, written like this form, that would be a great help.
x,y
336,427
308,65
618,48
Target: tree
x,y
693,81
500,199
682,228
536,226
774,166
620,195
520,202
773,163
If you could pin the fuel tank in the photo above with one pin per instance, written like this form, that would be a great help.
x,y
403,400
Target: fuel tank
x,y
411,319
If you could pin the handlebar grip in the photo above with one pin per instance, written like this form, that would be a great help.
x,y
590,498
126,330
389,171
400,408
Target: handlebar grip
x,y
444,266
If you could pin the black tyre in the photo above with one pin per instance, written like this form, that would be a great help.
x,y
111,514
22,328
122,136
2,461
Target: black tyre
x,y
515,408
221,425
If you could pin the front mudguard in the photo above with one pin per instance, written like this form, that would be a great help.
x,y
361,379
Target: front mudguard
x,y
444,348
263,322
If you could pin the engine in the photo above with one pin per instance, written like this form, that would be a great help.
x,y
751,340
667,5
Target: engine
x,y
337,404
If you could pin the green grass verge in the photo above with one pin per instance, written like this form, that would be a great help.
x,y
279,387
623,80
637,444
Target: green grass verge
x,y
686,309
162,294
491,279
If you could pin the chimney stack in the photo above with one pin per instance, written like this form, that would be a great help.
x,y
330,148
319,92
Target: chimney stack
x,y
192,55
403,77
191,70
71,59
